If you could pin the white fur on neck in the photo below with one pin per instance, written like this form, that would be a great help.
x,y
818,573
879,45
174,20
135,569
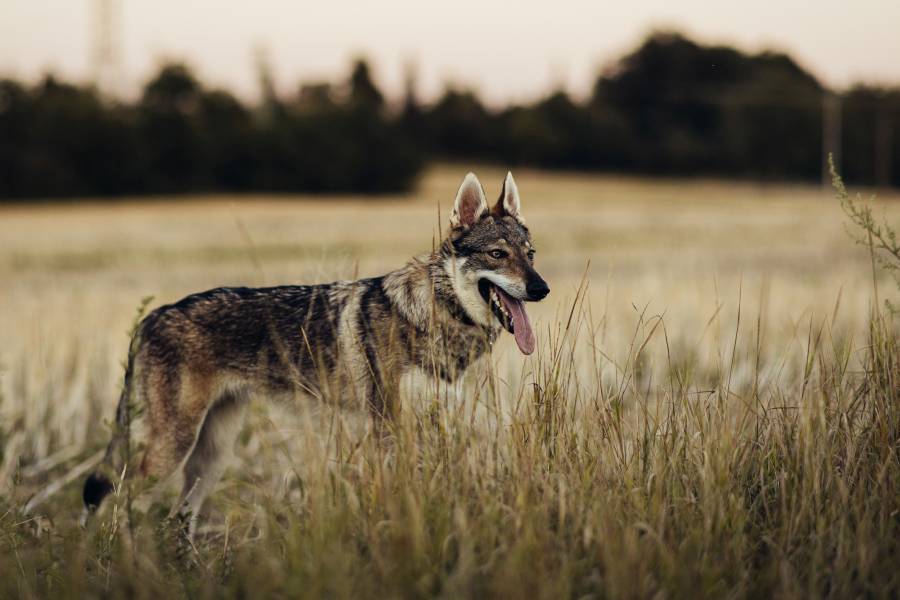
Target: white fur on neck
x,y
465,286
413,301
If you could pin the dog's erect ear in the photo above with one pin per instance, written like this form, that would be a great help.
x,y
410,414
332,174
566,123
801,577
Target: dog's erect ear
x,y
470,203
509,203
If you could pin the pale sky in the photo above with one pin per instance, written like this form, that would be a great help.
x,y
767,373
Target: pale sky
x,y
508,51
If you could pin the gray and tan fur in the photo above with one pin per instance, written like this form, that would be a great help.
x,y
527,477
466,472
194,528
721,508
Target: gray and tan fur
x,y
194,364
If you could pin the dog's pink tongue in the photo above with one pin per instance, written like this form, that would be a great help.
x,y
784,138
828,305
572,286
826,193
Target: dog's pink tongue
x,y
521,325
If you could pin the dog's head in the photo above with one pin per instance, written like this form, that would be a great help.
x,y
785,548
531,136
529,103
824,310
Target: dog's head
x,y
490,259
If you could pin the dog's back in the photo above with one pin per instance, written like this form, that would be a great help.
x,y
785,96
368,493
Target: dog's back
x,y
275,338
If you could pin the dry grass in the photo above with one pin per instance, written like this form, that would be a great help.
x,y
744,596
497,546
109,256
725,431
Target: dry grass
x,y
713,409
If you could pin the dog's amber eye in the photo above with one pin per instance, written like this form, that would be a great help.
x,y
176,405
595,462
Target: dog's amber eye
x,y
497,254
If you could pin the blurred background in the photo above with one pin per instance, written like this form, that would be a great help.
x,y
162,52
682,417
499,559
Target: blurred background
x,y
672,163
112,97
672,155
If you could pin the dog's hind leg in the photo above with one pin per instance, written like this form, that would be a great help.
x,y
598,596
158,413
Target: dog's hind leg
x,y
209,456
176,405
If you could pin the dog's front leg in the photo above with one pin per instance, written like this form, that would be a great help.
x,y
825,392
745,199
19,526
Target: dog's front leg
x,y
384,403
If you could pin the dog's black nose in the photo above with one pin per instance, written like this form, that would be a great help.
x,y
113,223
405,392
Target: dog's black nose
x,y
537,289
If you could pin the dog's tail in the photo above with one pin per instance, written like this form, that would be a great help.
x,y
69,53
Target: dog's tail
x,y
99,483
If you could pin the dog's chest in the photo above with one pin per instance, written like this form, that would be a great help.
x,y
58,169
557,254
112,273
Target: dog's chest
x,y
449,350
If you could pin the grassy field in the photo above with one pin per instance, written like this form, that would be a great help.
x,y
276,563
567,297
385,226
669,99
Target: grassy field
x,y
713,409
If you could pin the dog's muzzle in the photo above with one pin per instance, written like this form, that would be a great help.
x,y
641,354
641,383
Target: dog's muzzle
x,y
537,289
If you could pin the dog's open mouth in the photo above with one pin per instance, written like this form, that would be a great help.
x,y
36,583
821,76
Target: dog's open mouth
x,y
511,314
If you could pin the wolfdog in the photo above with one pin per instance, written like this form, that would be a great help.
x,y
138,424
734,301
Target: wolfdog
x,y
194,365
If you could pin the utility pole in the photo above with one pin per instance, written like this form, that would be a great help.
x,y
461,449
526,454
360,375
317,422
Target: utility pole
x,y
105,48
884,129
831,134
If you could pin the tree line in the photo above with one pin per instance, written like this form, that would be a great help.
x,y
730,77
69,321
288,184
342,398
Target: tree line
x,y
670,107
